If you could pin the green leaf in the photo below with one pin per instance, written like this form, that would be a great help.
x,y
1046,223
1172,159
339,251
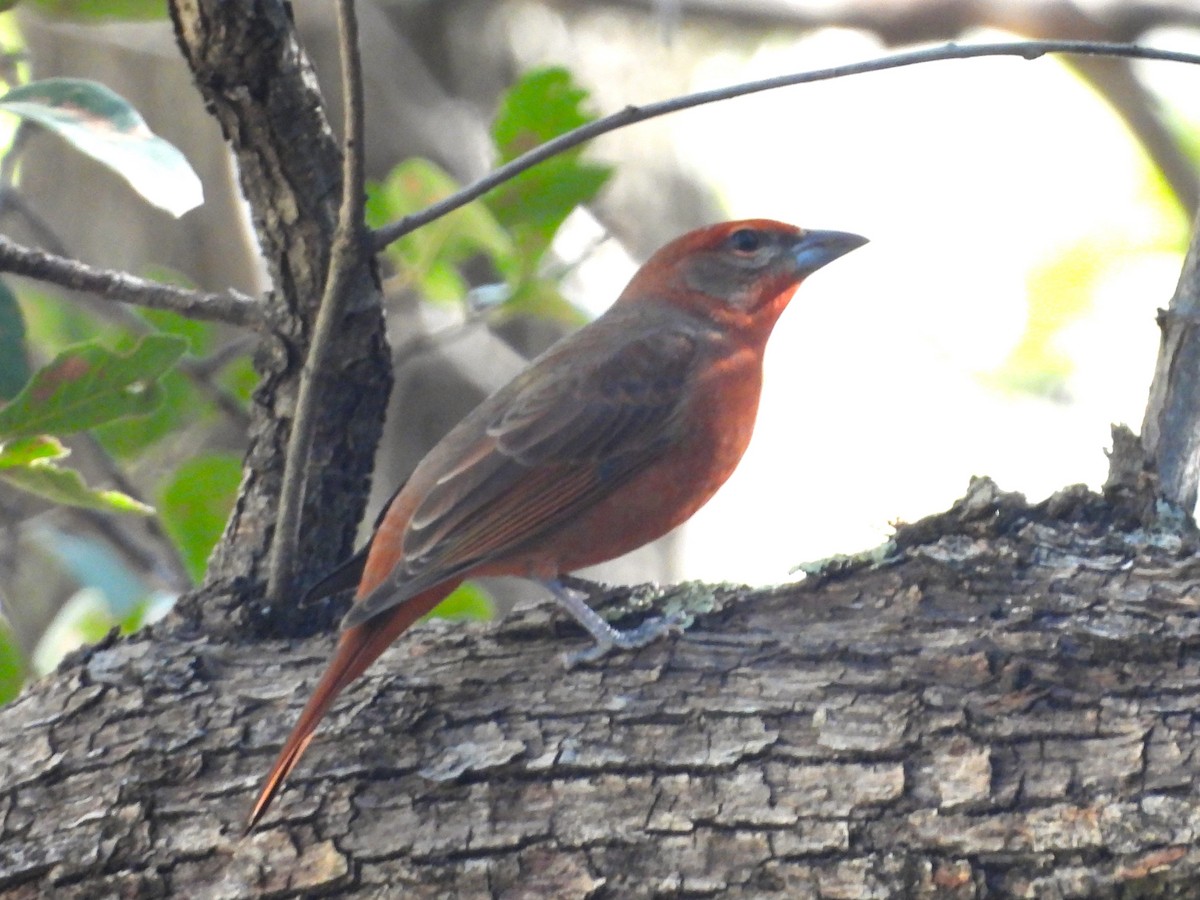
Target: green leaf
x,y
199,335
12,666
428,257
102,10
103,125
179,404
14,366
88,385
467,601
195,504
66,487
54,322
24,451
239,377
542,105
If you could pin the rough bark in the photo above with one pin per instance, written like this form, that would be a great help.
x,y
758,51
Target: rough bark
x,y
256,80
1171,428
1004,706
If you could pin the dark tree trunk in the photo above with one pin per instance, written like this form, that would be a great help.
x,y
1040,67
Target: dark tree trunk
x,y
256,80
1004,706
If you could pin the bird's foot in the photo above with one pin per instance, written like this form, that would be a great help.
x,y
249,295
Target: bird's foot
x,y
606,637
629,639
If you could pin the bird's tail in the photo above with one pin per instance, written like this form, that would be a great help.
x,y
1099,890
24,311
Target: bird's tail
x,y
356,650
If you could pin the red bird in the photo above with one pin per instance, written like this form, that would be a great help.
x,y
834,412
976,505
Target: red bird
x,y
610,439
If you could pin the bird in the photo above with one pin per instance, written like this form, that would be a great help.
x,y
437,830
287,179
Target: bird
x,y
609,439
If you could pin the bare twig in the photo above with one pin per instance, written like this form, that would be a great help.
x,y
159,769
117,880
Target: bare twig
x,y
231,307
633,114
349,254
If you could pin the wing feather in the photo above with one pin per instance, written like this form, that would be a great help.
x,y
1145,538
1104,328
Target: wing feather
x,y
558,439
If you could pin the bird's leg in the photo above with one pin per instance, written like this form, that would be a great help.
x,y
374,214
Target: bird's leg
x,y
606,636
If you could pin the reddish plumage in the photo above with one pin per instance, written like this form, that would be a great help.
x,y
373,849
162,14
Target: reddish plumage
x,y
610,439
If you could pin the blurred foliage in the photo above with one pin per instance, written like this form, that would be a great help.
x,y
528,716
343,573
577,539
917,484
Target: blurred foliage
x,y
84,619
511,227
29,464
14,366
1060,290
466,602
88,385
96,11
429,258
1059,294
194,504
12,672
540,106
84,386
102,373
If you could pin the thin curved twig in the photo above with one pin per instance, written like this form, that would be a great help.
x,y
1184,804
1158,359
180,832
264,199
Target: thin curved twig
x,y
348,254
633,114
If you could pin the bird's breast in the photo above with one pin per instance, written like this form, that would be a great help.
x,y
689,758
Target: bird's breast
x,y
716,420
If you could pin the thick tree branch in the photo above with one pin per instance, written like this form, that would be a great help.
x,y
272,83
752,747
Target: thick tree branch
x,y
631,115
1003,709
230,307
349,262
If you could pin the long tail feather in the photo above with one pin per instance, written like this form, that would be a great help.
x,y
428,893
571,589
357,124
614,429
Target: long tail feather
x,y
356,650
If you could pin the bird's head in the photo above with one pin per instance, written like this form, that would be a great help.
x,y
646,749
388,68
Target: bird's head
x,y
739,274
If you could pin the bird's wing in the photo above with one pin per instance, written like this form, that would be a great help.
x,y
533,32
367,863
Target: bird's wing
x,y
561,437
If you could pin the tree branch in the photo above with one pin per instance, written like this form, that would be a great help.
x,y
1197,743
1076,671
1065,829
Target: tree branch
x,y
230,307
350,257
631,115
1005,709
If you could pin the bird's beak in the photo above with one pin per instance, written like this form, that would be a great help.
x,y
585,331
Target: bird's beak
x,y
817,248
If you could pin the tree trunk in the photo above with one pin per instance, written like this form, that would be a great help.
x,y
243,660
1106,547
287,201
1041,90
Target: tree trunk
x,y
256,80
1004,706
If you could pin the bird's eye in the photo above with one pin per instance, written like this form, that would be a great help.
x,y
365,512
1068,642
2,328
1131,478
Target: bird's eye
x,y
745,240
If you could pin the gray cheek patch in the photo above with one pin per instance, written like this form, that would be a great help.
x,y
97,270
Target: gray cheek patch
x,y
724,279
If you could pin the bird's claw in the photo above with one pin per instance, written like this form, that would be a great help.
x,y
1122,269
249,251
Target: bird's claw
x,y
629,639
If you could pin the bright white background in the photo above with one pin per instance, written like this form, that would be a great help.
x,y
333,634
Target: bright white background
x,y
966,176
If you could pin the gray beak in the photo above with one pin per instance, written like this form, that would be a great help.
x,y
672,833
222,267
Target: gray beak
x,y
817,248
